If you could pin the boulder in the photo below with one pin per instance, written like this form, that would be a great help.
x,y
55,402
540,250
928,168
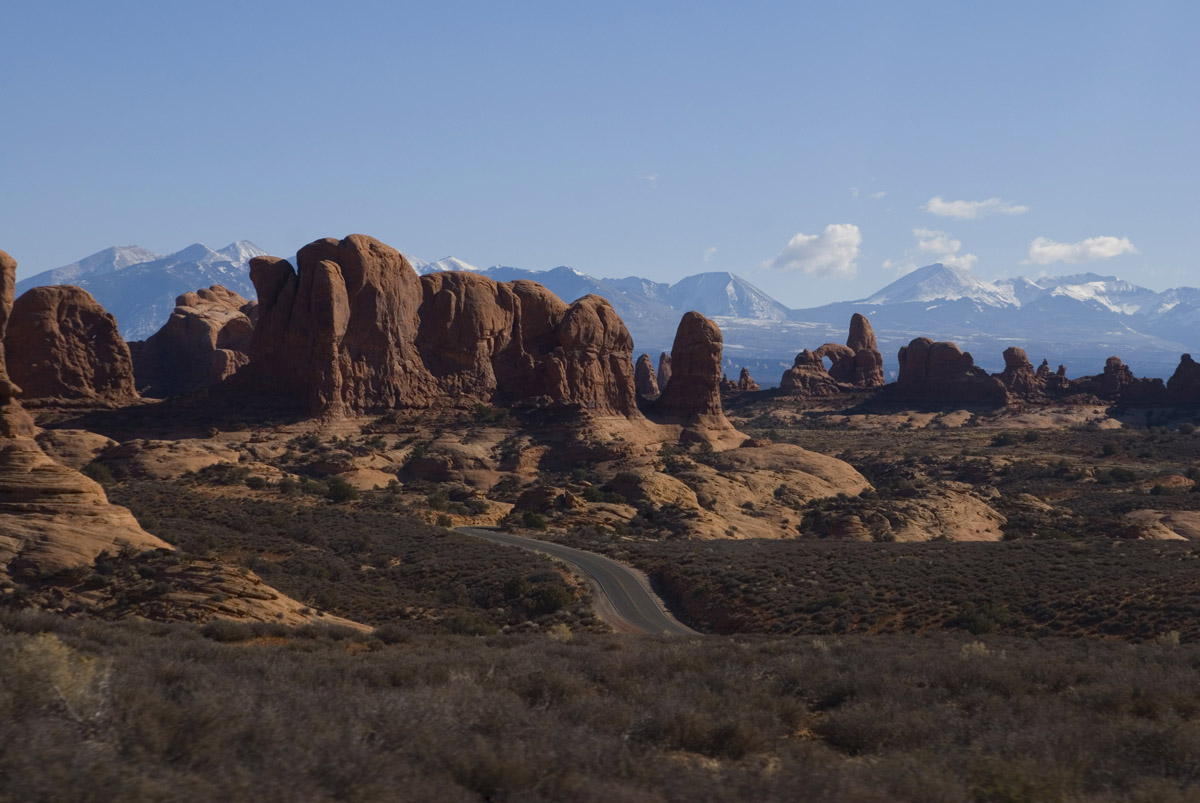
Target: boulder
x,y
808,377
206,339
941,372
61,344
644,378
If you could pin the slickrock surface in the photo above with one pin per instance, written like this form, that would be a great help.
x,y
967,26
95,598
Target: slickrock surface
x,y
206,339
61,344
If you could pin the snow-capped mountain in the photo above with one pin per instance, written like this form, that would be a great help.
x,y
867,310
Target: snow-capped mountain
x,y
940,282
725,294
443,264
139,287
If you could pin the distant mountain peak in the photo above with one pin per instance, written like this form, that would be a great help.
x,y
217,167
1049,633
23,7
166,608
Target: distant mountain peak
x,y
941,282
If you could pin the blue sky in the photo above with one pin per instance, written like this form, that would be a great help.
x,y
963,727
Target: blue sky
x,y
803,146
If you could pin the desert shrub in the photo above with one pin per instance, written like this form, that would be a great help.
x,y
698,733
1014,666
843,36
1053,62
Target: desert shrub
x,y
256,483
533,521
444,520
98,472
340,490
1004,439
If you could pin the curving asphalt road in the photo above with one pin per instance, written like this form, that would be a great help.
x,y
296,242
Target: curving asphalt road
x,y
630,599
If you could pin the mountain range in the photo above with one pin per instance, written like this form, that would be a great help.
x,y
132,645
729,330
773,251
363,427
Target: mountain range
x,y
139,287
1077,320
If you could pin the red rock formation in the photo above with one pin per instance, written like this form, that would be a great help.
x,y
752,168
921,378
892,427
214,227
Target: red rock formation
x,y
941,372
808,377
664,370
868,362
14,421
644,378
206,339
61,344
1118,383
746,382
1019,378
693,395
340,333
516,343
1184,385
356,330
841,358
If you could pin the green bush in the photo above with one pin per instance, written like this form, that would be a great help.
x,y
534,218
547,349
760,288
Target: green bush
x,y
98,472
534,521
340,490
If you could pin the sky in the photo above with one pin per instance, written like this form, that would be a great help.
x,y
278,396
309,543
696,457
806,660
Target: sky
x,y
819,150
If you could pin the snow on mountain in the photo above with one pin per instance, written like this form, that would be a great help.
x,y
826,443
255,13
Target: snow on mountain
x,y
938,282
727,295
1110,292
106,261
443,264
139,287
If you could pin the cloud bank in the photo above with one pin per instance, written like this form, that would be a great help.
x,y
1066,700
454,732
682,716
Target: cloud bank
x,y
1043,250
969,210
942,248
833,252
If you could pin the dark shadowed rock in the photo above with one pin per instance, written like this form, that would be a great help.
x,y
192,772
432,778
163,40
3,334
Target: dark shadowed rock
x,y
1184,385
941,372
62,345
1118,383
1019,378
664,370
206,339
14,421
644,378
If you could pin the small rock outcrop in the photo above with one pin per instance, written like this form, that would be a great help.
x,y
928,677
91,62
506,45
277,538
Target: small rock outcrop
x,y
808,377
1184,385
664,370
62,345
644,378
1019,377
14,421
857,364
746,382
941,372
1118,383
692,397
206,339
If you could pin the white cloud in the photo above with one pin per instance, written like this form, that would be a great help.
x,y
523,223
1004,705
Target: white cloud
x,y
969,210
831,253
878,195
652,179
854,192
1043,250
709,253
940,245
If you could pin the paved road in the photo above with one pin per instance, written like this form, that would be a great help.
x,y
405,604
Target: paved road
x,y
629,597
